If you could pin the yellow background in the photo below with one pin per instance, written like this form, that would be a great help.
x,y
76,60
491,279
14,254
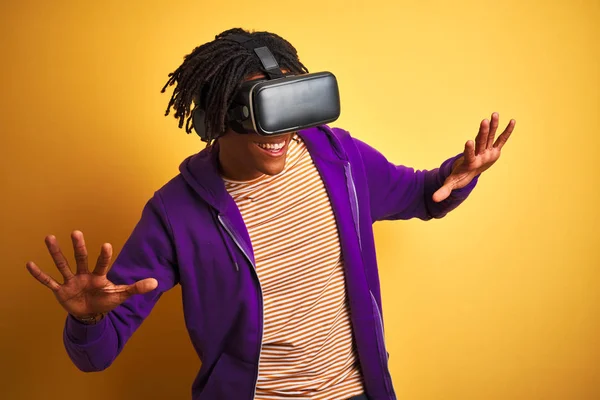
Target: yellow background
x,y
500,300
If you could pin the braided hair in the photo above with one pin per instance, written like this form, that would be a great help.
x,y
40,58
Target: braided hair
x,y
212,73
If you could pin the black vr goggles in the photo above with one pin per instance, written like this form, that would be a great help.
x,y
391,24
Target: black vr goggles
x,y
279,104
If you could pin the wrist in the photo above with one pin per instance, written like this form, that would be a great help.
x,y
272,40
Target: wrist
x,y
91,319
457,162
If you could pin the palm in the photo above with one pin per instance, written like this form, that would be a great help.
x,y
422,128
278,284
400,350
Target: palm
x,y
86,293
477,157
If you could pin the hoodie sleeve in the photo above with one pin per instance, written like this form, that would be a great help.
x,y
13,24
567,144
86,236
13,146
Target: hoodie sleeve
x,y
399,192
148,253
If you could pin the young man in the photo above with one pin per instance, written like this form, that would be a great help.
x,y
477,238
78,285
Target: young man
x,y
270,238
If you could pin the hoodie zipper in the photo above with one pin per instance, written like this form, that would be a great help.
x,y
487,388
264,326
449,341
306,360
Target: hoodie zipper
x,y
356,217
353,201
243,250
381,342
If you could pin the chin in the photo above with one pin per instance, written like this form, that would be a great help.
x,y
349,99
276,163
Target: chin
x,y
272,168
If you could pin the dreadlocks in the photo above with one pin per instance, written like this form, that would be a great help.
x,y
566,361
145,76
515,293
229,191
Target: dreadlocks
x,y
213,72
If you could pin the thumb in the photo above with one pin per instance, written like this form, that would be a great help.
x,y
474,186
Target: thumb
x,y
143,286
442,193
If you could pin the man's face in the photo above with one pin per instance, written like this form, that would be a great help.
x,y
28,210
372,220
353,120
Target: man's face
x,y
251,155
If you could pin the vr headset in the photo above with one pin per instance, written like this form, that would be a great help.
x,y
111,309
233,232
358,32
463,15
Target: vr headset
x,y
279,104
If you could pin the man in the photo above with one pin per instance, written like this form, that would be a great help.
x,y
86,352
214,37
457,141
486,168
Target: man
x,y
270,238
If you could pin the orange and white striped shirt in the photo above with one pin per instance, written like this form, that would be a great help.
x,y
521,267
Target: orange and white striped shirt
x,y
308,350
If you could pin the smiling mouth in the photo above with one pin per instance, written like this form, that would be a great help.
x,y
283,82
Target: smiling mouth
x,y
274,149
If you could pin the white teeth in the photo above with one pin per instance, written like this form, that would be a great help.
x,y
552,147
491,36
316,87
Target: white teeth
x,y
272,147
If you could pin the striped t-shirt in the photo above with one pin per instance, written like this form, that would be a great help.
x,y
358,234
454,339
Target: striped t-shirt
x,y
308,350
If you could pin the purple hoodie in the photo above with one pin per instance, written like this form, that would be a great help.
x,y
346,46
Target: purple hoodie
x,y
191,233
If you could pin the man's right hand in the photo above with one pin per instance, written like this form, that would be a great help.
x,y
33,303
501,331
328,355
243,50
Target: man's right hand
x,y
86,294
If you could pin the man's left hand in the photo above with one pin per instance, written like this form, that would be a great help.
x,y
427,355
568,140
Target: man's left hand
x,y
478,156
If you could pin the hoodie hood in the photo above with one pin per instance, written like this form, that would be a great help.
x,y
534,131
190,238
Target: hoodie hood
x,y
201,171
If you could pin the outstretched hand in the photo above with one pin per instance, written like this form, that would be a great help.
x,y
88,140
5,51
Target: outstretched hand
x,y
478,156
86,294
